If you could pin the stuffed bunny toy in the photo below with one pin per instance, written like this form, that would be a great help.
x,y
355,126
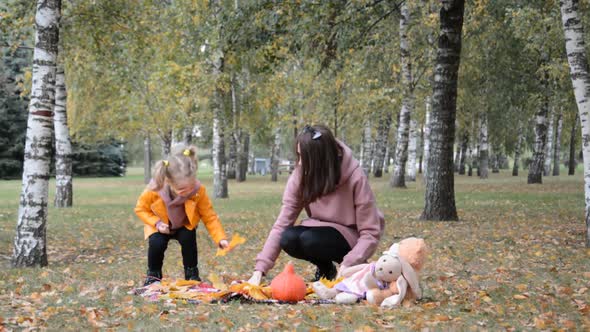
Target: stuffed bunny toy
x,y
414,251
362,278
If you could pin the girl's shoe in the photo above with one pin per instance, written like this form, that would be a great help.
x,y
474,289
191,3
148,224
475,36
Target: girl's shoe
x,y
191,273
151,277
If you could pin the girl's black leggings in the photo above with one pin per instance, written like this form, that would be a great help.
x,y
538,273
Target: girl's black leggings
x,y
158,243
318,245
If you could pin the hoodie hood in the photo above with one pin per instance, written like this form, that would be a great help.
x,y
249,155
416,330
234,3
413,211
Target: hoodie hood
x,y
348,165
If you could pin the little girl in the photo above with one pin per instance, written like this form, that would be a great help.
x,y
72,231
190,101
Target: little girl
x,y
171,207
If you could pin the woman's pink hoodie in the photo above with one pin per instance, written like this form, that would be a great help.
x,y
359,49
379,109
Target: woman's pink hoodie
x,y
350,209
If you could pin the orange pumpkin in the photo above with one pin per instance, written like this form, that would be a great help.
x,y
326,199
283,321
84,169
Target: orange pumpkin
x,y
288,286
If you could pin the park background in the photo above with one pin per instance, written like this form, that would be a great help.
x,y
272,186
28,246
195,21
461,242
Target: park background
x,y
240,79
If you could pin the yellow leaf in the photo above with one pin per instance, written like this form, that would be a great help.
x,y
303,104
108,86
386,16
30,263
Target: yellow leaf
x,y
216,282
331,283
520,297
236,240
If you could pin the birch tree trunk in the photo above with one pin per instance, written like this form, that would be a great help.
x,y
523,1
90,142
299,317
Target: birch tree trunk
x,y
483,146
243,154
381,143
30,247
426,152
275,155
421,149
147,159
578,61
63,146
412,147
166,140
557,145
517,149
366,148
537,165
232,162
219,161
457,159
387,158
440,189
549,146
464,144
495,163
401,151
572,160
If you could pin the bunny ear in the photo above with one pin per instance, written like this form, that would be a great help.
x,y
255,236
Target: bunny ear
x,y
393,250
411,276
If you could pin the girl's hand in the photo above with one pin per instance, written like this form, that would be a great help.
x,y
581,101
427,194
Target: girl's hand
x,y
163,228
255,278
223,244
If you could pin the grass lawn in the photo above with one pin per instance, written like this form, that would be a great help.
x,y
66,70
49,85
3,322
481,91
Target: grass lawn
x,y
515,260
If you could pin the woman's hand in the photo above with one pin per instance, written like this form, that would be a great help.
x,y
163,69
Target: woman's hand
x,y
163,228
256,278
223,244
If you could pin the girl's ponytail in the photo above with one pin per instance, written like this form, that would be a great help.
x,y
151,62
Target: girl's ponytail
x,y
187,157
159,176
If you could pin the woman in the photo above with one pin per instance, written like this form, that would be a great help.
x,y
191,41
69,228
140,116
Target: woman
x,y
343,223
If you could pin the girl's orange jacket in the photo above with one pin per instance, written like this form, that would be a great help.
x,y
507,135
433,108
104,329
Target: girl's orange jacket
x,y
151,208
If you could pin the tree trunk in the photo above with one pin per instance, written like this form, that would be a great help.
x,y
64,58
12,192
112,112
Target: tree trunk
x,y
464,144
147,159
218,153
381,143
470,160
412,147
549,146
232,162
30,245
426,151
421,149
457,159
243,154
401,151
495,163
366,148
557,145
517,149
275,155
572,160
483,147
537,166
440,190
387,157
63,145
166,140
576,56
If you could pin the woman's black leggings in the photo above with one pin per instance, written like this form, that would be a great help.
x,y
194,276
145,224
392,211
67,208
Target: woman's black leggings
x,y
158,243
318,245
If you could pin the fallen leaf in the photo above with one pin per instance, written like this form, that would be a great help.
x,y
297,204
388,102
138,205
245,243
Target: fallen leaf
x,y
236,240
216,282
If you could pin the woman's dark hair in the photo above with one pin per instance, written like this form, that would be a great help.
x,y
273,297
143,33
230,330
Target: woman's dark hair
x,y
320,162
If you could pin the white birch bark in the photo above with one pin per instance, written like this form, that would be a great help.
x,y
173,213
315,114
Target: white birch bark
x,y
218,153
426,151
381,142
517,149
275,155
366,148
234,142
63,145
557,145
572,158
578,62
412,147
549,146
401,151
30,247
483,146
147,159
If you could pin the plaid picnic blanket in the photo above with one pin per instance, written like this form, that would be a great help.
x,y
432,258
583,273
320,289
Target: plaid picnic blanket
x,y
194,292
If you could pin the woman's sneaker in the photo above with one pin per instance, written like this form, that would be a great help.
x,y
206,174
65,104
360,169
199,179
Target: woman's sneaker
x,y
328,272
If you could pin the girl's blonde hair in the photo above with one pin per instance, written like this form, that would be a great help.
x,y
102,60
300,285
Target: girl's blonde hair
x,y
182,164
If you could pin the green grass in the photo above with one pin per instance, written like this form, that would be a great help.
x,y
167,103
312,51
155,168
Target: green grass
x,y
515,259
